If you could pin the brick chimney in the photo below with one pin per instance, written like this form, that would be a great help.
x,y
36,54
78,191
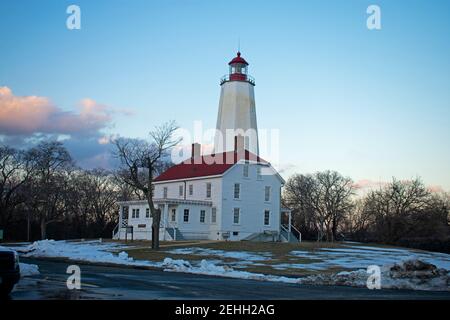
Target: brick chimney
x,y
196,150
239,146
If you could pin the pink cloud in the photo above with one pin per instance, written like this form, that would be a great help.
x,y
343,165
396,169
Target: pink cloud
x,y
25,115
435,189
367,183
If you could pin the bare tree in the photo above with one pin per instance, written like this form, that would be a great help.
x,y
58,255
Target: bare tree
x,y
51,162
335,192
91,202
298,193
405,209
321,200
13,176
141,161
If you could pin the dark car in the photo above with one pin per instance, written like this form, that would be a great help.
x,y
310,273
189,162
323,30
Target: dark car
x,y
9,270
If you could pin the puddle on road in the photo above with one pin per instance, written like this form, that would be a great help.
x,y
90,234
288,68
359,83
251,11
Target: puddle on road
x,y
46,289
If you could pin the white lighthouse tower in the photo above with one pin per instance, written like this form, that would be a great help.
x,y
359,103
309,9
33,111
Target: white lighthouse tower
x,y
237,113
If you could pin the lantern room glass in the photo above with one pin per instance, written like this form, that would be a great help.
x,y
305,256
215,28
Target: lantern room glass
x,y
238,68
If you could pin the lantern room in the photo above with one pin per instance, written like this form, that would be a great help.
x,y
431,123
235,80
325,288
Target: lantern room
x,y
238,71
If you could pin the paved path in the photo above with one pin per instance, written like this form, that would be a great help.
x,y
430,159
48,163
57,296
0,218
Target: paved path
x,y
99,282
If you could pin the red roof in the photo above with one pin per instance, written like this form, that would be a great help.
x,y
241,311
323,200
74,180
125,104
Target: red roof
x,y
206,165
238,59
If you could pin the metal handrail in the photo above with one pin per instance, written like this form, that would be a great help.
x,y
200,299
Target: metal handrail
x,y
115,230
298,231
286,228
248,79
288,233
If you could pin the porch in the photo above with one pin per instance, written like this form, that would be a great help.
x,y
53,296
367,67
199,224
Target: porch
x,y
174,223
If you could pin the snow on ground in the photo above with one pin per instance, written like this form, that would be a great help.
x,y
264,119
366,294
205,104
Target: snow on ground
x,y
244,258
397,276
357,257
5,248
411,274
89,251
27,270
208,268
400,275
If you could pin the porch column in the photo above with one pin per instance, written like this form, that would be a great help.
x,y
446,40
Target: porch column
x,y
120,217
289,227
119,226
165,213
290,219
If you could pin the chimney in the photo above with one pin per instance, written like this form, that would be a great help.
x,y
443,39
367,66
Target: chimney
x,y
239,148
196,150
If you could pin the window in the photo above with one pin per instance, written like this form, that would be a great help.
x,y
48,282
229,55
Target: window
x,y
147,213
202,216
245,173
266,217
208,190
165,192
213,215
237,190
186,215
135,213
236,215
125,210
235,233
173,216
180,191
267,193
191,189
258,173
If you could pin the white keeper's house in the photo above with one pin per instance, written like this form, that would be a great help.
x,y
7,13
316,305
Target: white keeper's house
x,y
228,195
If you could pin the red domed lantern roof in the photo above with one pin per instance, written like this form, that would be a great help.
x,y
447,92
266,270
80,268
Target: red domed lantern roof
x,y
238,59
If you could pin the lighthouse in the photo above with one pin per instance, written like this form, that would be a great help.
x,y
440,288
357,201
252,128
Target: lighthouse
x,y
237,112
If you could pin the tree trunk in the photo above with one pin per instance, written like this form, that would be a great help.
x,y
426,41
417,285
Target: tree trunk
x,y
43,229
333,230
155,229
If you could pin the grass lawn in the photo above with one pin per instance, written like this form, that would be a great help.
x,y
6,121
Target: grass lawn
x,y
141,250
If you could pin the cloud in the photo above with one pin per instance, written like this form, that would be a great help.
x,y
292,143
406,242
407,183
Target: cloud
x,y
369,184
27,120
106,139
436,189
286,168
89,153
27,115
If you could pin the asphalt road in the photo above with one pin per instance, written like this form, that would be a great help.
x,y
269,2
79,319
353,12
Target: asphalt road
x,y
100,282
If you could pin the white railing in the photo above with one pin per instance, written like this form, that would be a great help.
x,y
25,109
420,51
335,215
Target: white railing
x,y
298,231
289,232
237,77
115,230
173,226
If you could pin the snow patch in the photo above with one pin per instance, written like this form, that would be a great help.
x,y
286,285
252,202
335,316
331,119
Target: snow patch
x,y
238,255
211,269
5,249
360,257
89,251
411,274
417,274
124,256
27,270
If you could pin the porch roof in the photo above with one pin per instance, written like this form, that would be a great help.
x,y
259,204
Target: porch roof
x,y
167,201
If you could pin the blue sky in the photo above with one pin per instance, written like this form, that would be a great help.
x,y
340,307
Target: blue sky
x,y
369,104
